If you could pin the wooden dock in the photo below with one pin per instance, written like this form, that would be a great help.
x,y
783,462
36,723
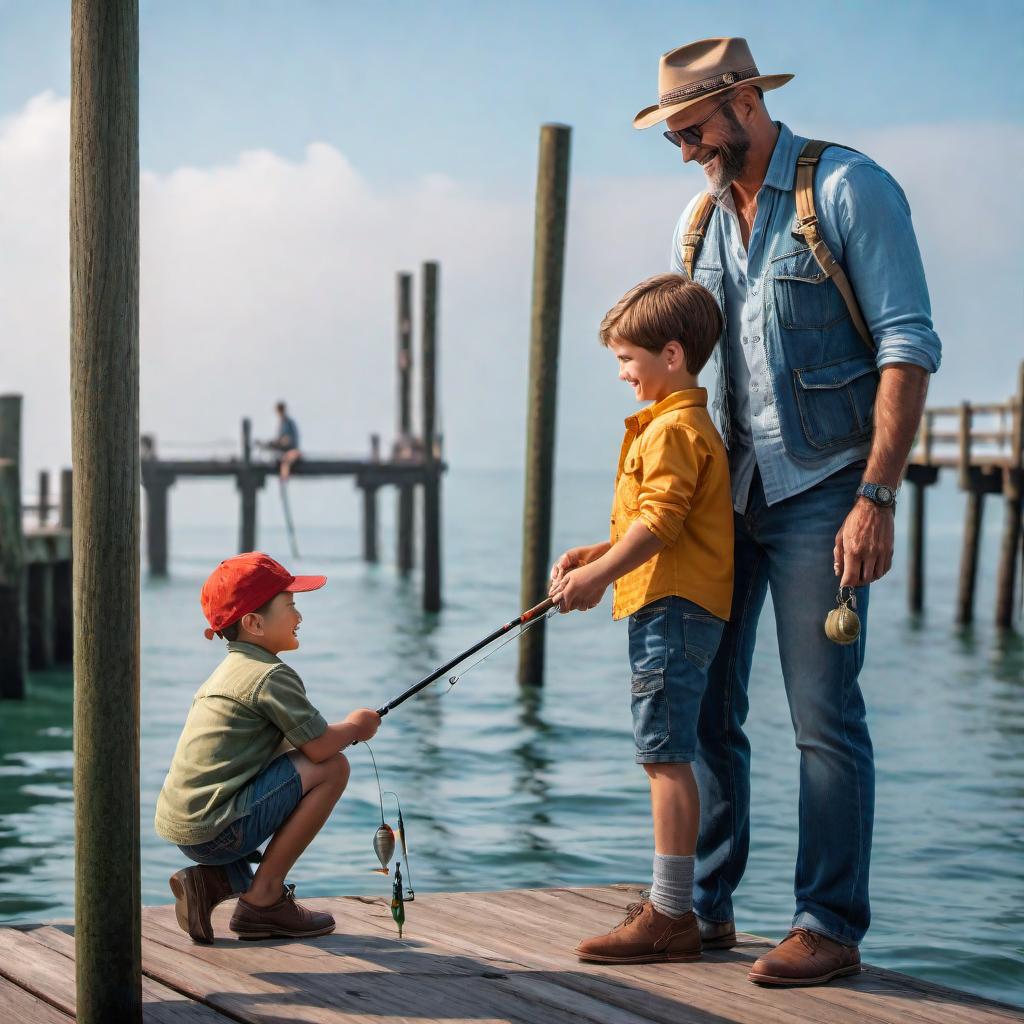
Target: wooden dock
x,y
466,957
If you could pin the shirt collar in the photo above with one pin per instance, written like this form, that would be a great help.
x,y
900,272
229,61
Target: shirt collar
x,y
253,650
781,172
677,400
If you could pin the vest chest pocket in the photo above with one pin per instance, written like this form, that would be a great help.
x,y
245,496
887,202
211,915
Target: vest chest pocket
x,y
837,401
805,298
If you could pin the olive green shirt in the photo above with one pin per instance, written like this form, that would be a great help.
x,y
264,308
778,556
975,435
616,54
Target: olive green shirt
x,y
234,728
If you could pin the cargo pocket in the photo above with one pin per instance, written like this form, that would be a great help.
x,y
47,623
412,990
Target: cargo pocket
x,y
836,401
650,711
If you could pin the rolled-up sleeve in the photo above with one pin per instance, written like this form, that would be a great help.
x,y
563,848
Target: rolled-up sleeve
x,y
883,262
672,462
282,699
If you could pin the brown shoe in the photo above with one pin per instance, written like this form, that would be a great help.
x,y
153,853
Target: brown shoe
x,y
805,958
286,918
717,934
197,890
646,936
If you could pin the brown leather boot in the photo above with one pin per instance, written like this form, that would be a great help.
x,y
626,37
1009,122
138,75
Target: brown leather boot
x,y
805,958
286,918
646,936
197,890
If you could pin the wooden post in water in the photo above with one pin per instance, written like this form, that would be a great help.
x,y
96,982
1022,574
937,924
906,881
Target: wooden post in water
x,y
63,613
545,325
66,500
156,484
404,517
369,521
432,472
44,497
13,605
42,633
248,484
105,447
1013,493
969,481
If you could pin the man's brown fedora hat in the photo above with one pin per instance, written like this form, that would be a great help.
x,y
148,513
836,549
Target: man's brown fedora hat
x,y
695,71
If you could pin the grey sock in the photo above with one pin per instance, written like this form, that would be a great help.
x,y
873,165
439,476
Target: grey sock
x,y
672,891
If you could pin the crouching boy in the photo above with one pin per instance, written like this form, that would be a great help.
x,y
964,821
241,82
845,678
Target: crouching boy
x,y
670,559
230,787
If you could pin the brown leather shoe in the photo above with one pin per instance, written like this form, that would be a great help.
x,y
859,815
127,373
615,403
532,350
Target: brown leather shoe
x,y
717,934
286,918
646,936
197,890
805,958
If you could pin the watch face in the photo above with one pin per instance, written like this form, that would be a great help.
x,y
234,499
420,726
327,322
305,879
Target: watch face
x,y
884,495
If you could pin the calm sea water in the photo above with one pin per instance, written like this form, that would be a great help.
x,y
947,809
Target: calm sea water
x,y
501,790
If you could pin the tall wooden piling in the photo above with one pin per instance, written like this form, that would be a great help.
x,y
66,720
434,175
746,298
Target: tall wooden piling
x,y
432,473
13,604
105,446
42,633
545,325
404,521
248,484
1013,494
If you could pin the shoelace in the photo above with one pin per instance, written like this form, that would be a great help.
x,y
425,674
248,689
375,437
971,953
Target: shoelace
x,y
633,910
808,939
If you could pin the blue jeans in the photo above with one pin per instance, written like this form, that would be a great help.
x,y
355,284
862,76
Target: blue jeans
x,y
788,547
671,643
272,796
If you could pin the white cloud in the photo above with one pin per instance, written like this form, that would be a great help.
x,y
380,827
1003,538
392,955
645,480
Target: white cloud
x,y
269,278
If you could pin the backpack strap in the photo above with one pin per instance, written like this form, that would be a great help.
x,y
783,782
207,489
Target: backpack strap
x,y
693,237
807,225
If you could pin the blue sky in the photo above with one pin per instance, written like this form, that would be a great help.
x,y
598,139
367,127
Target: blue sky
x,y
458,88
296,155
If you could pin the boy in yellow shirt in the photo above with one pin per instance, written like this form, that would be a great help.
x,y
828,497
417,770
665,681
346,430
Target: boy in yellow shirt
x,y
670,561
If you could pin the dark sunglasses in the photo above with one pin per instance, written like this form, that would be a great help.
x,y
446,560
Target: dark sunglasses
x,y
691,135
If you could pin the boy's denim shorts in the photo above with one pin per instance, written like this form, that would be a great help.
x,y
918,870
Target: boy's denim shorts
x,y
271,797
671,644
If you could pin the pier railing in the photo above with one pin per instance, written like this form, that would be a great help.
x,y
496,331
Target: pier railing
x,y
984,443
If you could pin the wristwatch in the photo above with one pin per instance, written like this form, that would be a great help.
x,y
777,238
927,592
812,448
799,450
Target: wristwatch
x,y
880,494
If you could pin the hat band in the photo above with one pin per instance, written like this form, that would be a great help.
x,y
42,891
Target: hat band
x,y
688,91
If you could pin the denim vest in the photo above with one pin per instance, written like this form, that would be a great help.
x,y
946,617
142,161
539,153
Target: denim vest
x,y
807,406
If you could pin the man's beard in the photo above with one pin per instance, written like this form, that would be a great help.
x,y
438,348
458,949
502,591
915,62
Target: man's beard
x,y
732,156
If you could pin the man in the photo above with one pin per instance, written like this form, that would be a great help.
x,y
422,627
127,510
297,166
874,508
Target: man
x,y
286,442
819,419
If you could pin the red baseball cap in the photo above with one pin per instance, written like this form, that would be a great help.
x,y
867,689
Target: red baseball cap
x,y
244,583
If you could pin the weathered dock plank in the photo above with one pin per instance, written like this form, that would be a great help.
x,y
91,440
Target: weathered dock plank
x,y
467,958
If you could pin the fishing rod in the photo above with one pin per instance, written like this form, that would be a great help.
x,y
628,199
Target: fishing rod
x,y
528,616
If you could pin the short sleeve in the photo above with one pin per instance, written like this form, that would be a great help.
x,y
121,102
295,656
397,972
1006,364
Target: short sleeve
x,y
282,700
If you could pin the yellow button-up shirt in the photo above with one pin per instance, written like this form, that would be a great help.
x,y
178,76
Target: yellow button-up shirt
x,y
673,476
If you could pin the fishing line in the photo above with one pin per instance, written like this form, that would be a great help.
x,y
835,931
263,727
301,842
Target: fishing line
x,y
452,680
380,793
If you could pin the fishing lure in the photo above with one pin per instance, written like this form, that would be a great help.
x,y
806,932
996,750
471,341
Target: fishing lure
x,y
397,900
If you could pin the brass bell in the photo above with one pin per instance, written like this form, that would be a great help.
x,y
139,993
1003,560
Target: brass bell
x,y
842,625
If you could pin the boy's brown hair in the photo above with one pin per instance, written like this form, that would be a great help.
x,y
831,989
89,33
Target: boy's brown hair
x,y
664,308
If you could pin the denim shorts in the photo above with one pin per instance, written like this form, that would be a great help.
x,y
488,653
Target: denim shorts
x,y
270,798
671,644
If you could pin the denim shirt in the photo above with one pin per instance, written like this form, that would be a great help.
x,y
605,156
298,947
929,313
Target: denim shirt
x,y
796,383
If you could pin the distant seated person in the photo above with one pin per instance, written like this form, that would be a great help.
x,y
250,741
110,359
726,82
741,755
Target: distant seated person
x,y
286,442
